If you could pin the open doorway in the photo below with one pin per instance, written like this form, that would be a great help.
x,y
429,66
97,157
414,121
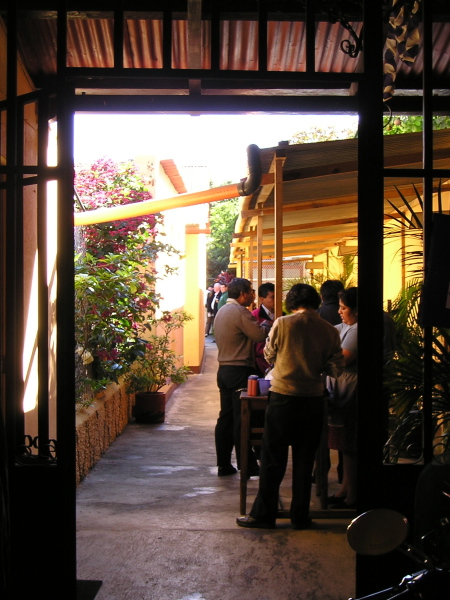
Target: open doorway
x,y
210,508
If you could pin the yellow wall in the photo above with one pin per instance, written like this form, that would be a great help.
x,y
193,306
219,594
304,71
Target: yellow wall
x,y
395,274
183,290
194,331
394,271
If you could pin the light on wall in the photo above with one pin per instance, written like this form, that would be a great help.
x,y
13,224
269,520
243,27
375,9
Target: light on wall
x,y
347,250
312,266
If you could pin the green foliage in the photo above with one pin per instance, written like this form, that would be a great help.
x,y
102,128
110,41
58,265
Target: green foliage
x,y
223,216
410,124
404,373
111,300
322,134
341,268
392,125
115,277
403,376
157,365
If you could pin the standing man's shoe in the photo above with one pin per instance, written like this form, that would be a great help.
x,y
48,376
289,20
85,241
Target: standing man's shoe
x,y
228,470
306,524
252,523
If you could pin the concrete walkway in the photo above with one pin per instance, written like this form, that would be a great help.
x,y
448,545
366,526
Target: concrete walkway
x,y
156,523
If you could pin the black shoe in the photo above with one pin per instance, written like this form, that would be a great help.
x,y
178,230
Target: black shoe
x,y
306,524
252,523
229,470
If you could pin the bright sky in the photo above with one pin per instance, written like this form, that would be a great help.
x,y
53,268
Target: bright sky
x,y
216,142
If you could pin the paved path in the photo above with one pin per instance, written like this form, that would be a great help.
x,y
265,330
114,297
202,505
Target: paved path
x,y
156,523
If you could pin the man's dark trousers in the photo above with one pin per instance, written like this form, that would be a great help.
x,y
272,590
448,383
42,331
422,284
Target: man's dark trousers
x,y
230,379
290,421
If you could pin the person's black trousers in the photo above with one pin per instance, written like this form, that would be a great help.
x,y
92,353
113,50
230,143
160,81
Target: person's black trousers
x,y
230,379
290,421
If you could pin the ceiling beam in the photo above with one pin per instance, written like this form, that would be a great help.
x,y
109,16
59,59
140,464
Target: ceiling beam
x,y
389,194
299,227
300,240
299,206
194,33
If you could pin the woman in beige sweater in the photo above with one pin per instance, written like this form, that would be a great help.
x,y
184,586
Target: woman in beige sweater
x,y
303,347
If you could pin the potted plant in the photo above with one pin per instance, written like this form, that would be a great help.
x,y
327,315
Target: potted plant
x,y
156,367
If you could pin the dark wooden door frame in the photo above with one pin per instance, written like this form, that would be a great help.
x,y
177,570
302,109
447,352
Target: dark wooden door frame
x,y
374,478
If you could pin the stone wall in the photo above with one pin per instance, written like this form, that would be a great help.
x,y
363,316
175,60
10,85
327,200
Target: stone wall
x,y
99,425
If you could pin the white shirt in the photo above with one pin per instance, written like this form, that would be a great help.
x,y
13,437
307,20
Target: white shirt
x,y
270,315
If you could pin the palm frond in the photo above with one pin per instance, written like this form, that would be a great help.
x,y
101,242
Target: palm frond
x,y
412,211
403,375
419,199
401,214
439,196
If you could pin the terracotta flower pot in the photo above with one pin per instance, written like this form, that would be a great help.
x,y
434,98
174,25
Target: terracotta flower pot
x,y
149,407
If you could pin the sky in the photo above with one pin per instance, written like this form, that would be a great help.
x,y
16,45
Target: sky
x,y
218,143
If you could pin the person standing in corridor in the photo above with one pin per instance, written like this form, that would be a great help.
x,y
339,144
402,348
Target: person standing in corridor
x,y
329,308
212,306
303,347
236,331
265,312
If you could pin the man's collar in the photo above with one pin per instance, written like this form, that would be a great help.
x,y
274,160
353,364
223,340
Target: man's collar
x,y
232,301
267,311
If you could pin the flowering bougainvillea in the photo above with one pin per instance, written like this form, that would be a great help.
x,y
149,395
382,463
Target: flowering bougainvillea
x,y
107,183
115,276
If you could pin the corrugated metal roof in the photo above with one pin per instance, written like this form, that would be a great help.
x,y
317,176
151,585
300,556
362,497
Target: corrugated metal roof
x,y
91,45
320,180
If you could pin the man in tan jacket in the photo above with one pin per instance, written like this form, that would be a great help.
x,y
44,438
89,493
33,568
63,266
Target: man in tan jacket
x,y
236,331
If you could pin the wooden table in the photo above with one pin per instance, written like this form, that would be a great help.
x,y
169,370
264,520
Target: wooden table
x,y
248,433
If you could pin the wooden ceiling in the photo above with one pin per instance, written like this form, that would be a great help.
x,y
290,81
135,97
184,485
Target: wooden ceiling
x,y
320,201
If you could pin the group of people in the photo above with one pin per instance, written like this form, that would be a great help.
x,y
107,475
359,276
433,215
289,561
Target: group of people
x,y
312,354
